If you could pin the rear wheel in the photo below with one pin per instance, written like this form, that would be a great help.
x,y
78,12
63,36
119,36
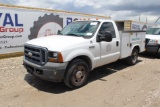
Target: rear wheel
x,y
132,60
158,53
76,74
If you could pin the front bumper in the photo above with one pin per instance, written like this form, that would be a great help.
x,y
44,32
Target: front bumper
x,y
50,71
152,48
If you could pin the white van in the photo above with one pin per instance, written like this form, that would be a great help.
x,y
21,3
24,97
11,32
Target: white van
x,y
153,40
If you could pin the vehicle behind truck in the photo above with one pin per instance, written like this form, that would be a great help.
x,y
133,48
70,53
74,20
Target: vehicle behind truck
x,y
153,41
79,48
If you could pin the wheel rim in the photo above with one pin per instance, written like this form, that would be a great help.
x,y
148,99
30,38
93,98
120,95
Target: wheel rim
x,y
134,57
79,75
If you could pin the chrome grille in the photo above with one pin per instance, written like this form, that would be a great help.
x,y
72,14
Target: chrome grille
x,y
35,54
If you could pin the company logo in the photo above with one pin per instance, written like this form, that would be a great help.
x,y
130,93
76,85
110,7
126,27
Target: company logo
x,y
30,54
46,26
10,20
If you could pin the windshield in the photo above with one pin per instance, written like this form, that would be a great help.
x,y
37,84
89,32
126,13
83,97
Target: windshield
x,y
153,31
81,28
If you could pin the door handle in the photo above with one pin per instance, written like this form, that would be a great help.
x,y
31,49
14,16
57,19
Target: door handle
x,y
91,47
117,43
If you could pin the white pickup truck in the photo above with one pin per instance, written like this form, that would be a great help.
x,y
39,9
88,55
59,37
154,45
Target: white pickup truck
x,y
153,40
79,48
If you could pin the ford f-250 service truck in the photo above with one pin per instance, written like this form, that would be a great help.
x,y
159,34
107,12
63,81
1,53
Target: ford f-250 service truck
x,y
79,48
153,40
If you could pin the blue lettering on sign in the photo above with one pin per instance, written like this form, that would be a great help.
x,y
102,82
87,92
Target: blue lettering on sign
x,y
69,20
8,20
135,27
16,21
0,15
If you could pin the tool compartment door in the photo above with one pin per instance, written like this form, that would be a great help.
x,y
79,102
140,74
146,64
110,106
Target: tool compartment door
x,y
125,44
130,39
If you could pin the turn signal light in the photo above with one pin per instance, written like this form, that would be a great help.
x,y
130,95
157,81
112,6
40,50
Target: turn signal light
x,y
60,58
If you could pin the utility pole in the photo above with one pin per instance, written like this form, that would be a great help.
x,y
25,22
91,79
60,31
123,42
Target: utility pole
x,y
146,19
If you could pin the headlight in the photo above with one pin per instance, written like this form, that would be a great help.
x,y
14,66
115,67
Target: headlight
x,y
153,41
53,54
55,57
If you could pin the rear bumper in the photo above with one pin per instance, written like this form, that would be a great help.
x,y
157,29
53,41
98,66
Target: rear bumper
x,y
50,71
152,48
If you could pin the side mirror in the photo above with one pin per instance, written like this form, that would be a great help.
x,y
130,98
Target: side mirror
x,y
58,32
106,36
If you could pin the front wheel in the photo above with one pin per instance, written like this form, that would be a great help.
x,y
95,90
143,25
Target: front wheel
x,y
132,60
76,74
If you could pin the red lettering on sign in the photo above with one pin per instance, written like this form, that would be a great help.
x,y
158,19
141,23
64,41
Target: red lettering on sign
x,y
3,29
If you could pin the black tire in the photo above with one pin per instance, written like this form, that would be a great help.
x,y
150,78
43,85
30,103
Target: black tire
x,y
132,60
76,74
158,55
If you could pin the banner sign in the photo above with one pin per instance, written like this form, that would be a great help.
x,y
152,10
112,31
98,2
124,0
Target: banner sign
x,y
140,26
18,25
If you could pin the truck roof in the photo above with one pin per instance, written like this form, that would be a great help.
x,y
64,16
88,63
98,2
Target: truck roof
x,y
100,20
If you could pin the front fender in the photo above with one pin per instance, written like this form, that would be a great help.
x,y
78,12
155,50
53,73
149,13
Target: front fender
x,y
135,45
80,52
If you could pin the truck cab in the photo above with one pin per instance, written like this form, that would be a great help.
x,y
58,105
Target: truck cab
x,y
78,48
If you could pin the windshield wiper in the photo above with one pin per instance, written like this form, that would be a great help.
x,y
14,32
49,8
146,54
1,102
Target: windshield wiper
x,y
59,32
72,34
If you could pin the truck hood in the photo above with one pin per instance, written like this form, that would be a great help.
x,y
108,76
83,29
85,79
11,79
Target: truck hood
x,y
57,42
156,37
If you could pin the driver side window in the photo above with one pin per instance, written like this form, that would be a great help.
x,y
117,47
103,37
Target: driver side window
x,y
107,26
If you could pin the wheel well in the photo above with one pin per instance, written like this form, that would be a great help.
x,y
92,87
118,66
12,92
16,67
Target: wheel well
x,y
86,59
138,48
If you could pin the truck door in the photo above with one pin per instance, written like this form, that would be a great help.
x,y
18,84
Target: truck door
x,y
109,51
